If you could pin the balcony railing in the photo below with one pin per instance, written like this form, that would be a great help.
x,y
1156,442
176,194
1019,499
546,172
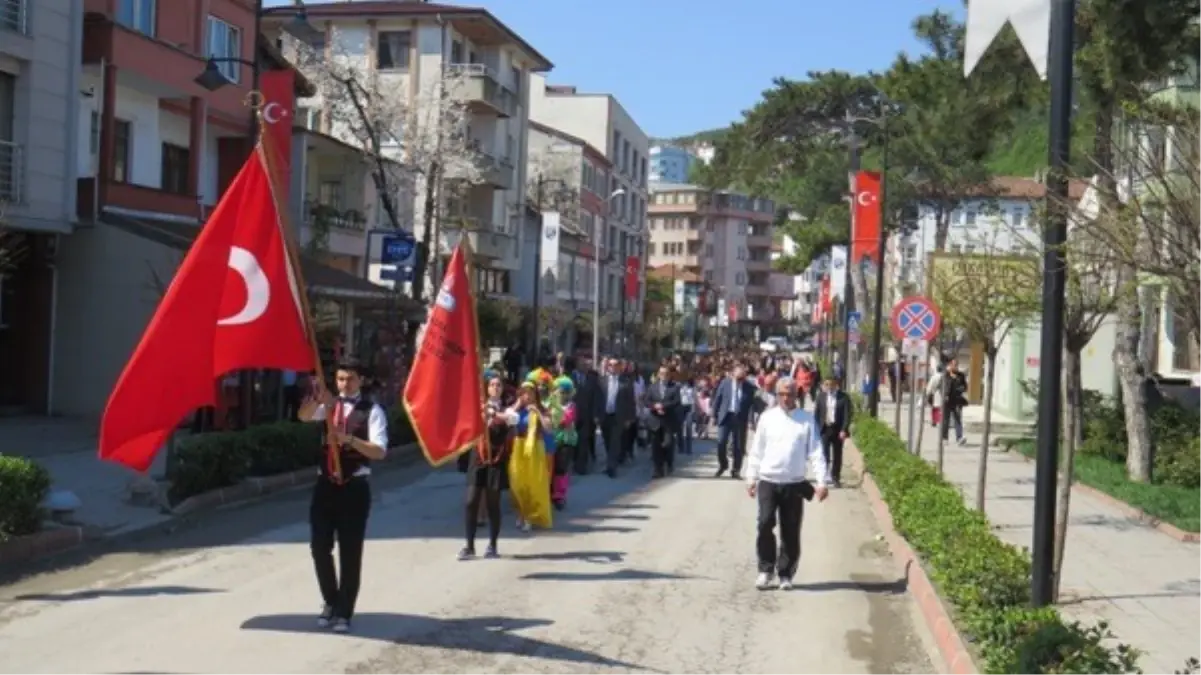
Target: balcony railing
x,y
14,16
487,240
12,169
479,85
334,217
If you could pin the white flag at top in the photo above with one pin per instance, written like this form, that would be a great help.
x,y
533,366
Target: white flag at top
x,y
1031,20
838,271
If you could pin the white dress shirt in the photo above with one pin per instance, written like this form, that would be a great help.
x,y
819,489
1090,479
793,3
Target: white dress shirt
x,y
831,408
786,442
611,398
377,426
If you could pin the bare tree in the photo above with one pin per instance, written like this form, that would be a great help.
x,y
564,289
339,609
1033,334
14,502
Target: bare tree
x,y
419,148
987,294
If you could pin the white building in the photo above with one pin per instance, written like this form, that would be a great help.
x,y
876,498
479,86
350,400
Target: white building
x,y
602,122
40,51
415,49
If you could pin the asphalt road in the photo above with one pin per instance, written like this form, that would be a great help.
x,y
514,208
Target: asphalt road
x,y
636,576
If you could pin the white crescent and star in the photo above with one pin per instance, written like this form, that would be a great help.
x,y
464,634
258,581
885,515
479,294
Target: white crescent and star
x,y
258,288
866,198
273,112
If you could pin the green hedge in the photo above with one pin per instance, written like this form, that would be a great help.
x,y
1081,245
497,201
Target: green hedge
x,y
23,487
985,581
220,459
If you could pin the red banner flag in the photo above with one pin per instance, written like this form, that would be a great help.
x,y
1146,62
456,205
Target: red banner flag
x,y
444,394
865,242
233,305
278,105
632,277
826,302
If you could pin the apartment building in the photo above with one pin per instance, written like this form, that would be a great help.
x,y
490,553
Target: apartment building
x,y
574,178
725,238
416,50
39,84
601,121
670,164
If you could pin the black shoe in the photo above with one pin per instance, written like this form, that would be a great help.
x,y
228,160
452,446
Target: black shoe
x,y
326,616
735,475
721,471
658,473
611,473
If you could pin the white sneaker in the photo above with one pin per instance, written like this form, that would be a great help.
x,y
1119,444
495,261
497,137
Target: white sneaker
x,y
785,584
764,581
526,527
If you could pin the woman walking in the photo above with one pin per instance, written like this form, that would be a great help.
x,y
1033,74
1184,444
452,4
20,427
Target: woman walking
x,y
563,414
486,470
529,462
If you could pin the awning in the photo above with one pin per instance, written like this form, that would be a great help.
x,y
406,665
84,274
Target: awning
x,y
321,280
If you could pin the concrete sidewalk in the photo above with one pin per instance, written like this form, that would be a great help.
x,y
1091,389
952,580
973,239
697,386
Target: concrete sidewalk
x,y
1145,584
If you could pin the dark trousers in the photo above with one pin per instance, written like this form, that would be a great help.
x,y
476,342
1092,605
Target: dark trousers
x,y
782,503
662,442
727,432
832,450
585,454
339,513
684,430
489,496
291,401
952,417
619,440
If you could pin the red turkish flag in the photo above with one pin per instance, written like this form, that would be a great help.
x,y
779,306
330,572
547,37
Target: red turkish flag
x,y
865,242
444,395
631,279
233,305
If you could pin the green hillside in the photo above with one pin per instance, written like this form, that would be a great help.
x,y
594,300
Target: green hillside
x,y
707,136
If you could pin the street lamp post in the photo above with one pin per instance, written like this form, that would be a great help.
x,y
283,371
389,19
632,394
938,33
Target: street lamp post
x,y
539,194
873,366
596,290
1055,233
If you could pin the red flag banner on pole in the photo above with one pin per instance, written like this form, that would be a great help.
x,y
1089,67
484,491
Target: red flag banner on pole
x,y
631,277
826,301
234,304
444,394
866,223
278,88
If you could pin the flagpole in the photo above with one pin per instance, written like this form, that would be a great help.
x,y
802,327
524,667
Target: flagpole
x,y
292,250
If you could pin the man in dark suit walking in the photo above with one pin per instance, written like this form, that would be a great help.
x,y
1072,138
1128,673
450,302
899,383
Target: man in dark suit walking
x,y
663,401
589,407
732,404
833,414
620,415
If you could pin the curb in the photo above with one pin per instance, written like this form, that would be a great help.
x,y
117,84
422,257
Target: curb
x,y
40,544
1127,510
951,646
28,548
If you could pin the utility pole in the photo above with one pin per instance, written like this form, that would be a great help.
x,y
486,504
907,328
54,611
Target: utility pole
x,y
538,193
848,295
873,366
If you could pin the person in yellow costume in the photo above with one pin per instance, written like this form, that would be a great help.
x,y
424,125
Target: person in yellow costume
x,y
530,461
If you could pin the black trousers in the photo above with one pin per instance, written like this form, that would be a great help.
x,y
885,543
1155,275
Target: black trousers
x,y
727,432
619,440
663,449
339,513
780,503
832,450
585,454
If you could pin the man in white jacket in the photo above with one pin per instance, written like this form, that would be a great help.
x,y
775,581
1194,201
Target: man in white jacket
x,y
787,442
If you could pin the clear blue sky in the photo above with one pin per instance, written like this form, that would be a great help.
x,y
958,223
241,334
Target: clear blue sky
x,y
680,66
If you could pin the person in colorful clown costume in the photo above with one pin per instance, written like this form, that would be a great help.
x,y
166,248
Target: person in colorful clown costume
x,y
530,460
563,414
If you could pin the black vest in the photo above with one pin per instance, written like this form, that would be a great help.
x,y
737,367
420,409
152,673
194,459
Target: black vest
x,y
355,424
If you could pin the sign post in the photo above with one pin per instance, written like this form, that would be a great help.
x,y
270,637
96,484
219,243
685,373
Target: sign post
x,y
915,322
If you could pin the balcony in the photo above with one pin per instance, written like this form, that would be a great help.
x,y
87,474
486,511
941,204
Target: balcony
x,y
12,170
486,240
494,171
138,199
479,88
756,291
758,265
333,217
14,16
758,241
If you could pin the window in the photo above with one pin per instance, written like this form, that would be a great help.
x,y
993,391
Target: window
x,y
392,50
456,52
969,217
651,249
137,14
93,134
740,278
516,72
122,139
329,193
176,162
1015,217
225,46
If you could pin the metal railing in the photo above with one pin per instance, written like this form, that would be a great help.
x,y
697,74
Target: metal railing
x,y
12,170
14,16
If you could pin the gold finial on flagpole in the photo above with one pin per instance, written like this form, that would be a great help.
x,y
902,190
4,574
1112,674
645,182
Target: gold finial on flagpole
x,y
254,100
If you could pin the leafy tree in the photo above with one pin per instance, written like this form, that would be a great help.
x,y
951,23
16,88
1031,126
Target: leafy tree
x,y
986,295
1123,46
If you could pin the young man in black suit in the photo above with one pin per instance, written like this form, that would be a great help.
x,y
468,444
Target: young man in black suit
x,y
663,400
731,406
833,414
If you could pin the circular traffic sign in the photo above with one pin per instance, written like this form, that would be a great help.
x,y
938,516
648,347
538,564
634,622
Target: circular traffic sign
x,y
916,318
